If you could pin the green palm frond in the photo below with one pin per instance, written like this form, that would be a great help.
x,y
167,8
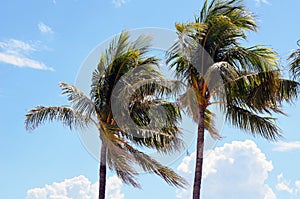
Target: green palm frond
x,y
257,58
262,92
294,59
233,9
121,156
288,90
253,123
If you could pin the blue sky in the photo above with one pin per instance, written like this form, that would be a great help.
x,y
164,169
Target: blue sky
x,y
45,42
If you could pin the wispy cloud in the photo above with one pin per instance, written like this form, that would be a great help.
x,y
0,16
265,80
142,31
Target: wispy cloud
x,y
259,2
77,188
17,53
119,3
285,185
287,146
282,184
45,28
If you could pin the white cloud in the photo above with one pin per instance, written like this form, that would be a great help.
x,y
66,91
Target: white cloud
x,y
259,2
287,146
284,185
113,188
16,52
44,28
13,46
237,170
297,184
119,3
23,62
77,188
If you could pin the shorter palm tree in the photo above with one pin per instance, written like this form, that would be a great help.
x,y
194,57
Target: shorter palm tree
x,y
117,149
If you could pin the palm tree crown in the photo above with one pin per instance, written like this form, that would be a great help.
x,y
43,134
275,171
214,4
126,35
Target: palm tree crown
x,y
117,149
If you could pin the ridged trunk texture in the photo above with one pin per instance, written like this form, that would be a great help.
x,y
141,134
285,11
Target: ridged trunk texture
x,y
199,157
102,172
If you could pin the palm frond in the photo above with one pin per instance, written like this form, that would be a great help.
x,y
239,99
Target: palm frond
x,y
257,58
209,124
253,123
80,102
294,59
121,162
233,9
67,116
148,164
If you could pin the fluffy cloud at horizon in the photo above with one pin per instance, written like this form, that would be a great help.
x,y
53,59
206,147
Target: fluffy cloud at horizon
x,y
77,188
237,170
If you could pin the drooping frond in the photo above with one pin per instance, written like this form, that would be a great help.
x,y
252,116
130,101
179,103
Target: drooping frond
x,y
253,123
189,104
122,163
121,157
209,124
68,116
262,92
148,164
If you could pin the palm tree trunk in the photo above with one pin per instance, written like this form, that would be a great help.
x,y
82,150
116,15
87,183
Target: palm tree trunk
x,y
199,157
102,172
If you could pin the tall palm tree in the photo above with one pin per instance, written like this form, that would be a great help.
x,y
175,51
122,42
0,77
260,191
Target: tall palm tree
x,y
117,144
246,82
295,62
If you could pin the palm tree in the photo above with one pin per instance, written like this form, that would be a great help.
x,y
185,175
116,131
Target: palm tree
x,y
246,82
117,144
295,62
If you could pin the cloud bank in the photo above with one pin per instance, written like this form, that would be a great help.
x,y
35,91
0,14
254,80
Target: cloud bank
x,y
236,170
286,186
77,188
